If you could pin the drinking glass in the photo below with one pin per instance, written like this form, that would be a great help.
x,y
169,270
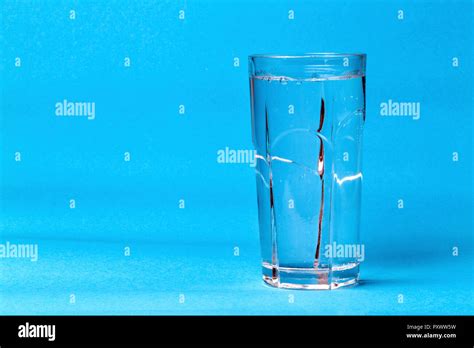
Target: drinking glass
x,y
307,115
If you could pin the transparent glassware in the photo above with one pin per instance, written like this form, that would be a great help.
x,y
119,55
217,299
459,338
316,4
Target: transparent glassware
x,y
307,114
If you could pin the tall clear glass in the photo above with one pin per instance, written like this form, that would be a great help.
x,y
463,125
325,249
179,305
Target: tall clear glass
x,y
308,113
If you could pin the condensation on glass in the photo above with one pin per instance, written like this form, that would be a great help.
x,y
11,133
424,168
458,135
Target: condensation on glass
x,y
308,113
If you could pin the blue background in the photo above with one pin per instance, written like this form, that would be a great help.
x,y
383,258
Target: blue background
x,y
190,62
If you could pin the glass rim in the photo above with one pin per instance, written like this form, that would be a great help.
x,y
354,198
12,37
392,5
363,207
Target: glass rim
x,y
316,55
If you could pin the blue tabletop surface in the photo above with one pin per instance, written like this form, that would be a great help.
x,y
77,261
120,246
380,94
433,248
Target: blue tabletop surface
x,y
208,279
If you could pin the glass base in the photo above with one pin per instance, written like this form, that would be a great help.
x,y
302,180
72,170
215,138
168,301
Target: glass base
x,y
311,278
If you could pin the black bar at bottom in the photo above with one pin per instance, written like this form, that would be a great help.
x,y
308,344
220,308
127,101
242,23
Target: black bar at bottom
x,y
334,330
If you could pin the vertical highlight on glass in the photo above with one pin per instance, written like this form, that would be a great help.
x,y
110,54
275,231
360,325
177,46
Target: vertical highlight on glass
x,y
308,113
